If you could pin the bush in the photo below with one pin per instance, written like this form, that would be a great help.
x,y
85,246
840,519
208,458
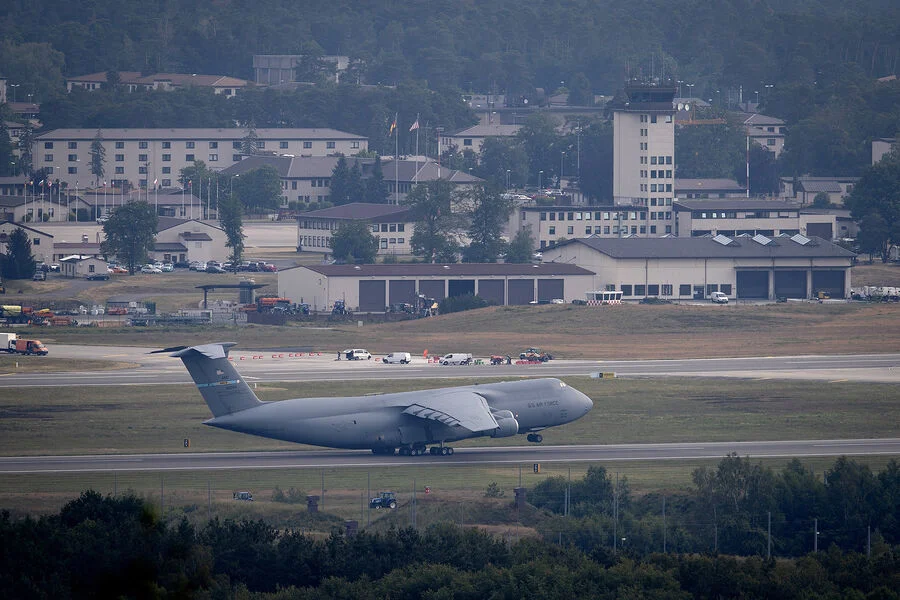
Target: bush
x,y
461,303
493,491
293,496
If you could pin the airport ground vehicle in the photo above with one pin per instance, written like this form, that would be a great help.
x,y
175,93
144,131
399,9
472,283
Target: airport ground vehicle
x,y
718,298
535,354
497,359
26,347
456,358
383,500
340,308
14,313
402,358
357,354
246,496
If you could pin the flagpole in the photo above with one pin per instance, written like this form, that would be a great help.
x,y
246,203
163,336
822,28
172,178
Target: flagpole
x,y
396,161
416,175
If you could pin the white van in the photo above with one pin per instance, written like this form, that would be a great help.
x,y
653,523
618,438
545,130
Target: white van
x,y
718,298
456,358
402,358
357,354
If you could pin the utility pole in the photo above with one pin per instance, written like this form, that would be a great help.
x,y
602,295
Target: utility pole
x,y
769,544
616,515
815,535
664,525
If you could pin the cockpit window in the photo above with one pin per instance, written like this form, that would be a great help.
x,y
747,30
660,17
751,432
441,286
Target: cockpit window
x,y
562,384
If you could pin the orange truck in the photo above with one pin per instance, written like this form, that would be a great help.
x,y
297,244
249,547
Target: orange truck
x,y
15,345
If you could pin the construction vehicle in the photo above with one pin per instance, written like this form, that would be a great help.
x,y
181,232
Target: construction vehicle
x,y
340,308
27,347
497,359
535,354
13,313
270,304
383,500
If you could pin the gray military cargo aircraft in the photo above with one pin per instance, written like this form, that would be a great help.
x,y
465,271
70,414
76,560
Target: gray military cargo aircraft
x,y
407,422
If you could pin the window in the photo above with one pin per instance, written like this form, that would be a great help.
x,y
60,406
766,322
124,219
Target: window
x,y
166,170
166,157
48,145
329,145
189,157
142,145
355,146
725,288
213,145
120,145
260,144
668,118
643,229
626,290
606,229
189,145
294,185
467,141
283,145
710,288
587,230
384,227
570,230
142,170
73,170
166,183
668,173
73,158
166,145
668,229
73,145
120,170
384,243
653,289
401,240
640,290
235,145
307,145
142,157
213,158
48,158
236,158
684,289
668,160
770,141
36,241
392,228
374,228
653,118
653,229
551,230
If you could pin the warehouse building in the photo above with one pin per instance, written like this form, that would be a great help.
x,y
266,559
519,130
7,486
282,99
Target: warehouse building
x,y
744,267
372,288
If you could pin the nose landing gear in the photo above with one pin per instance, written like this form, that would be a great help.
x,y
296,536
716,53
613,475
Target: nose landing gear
x,y
535,438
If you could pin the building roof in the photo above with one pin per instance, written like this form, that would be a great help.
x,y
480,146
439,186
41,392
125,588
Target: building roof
x,y
489,130
188,79
732,204
194,236
165,223
14,180
756,119
78,247
169,247
124,77
831,187
191,133
449,270
26,228
706,247
703,185
358,210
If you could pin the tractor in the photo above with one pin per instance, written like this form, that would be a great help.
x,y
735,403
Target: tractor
x,y
385,500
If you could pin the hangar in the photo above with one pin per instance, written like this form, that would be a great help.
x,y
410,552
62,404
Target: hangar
x,y
744,267
372,288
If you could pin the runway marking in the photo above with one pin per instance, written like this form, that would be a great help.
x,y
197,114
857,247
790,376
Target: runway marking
x,y
838,380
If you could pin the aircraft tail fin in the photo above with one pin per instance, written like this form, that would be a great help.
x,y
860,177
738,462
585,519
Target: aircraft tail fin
x,y
219,382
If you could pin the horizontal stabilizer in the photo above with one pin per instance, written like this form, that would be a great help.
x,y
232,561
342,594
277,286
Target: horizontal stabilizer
x,y
219,382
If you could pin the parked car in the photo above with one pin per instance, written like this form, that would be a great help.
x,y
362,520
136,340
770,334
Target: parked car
x,y
39,276
117,269
150,269
268,267
214,268
402,358
167,267
197,265
182,264
718,298
357,354
98,277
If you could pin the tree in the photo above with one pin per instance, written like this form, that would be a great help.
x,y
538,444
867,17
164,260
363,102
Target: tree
x,y
356,188
521,248
26,149
875,204
130,233
250,142
874,235
503,161
7,158
259,189
376,189
490,212
18,262
580,93
230,218
353,242
98,158
541,142
436,227
821,201
339,186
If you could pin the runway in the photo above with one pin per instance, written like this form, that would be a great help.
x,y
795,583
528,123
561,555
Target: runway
x,y
288,366
188,461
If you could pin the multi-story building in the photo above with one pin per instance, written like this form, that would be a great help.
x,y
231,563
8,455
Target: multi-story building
x,y
307,179
805,189
708,188
766,131
472,138
881,146
134,81
389,223
275,69
140,157
750,216
644,146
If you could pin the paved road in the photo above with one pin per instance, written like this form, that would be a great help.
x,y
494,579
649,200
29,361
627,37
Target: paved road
x,y
284,365
463,456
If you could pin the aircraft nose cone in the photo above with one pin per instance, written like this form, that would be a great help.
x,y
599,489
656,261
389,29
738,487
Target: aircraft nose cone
x,y
586,402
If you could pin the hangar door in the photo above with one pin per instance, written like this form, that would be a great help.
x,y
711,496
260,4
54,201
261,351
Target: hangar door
x,y
752,284
790,284
371,296
402,291
521,291
460,287
492,291
548,289
829,281
432,288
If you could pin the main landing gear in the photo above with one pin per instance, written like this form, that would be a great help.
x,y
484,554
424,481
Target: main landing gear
x,y
440,450
535,438
415,451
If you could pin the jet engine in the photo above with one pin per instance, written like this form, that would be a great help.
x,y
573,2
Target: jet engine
x,y
507,424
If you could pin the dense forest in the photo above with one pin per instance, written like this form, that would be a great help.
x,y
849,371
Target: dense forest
x,y
119,547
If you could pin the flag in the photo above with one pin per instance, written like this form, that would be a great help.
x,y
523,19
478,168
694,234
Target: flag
x,y
393,126
415,125
41,184
155,181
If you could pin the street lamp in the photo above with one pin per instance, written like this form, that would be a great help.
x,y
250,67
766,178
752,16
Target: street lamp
x,y
690,87
757,97
14,86
507,179
768,87
562,156
540,179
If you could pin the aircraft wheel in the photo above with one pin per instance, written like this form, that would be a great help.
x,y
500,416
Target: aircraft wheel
x,y
404,451
449,451
445,451
538,438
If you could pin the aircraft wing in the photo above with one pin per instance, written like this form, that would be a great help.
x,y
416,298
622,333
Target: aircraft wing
x,y
461,408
